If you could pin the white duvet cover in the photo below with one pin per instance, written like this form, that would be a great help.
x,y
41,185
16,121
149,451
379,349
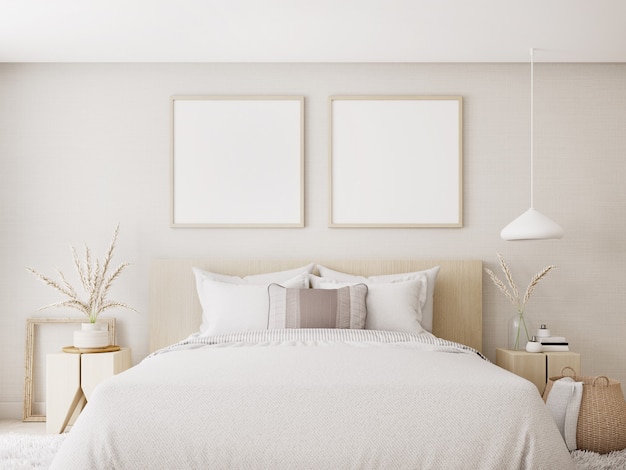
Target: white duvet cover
x,y
315,399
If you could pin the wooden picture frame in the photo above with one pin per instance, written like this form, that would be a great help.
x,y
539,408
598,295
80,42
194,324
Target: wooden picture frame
x,y
29,361
396,161
237,161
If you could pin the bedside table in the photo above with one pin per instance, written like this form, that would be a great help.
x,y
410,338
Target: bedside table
x,y
70,380
537,367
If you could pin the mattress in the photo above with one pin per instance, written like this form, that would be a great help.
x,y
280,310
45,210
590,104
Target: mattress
x,y
319,399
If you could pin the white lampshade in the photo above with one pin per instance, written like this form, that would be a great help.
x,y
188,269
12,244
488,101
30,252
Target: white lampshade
x,y
532,225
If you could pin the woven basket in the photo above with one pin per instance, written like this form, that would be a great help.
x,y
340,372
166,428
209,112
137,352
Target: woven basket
x,y
602,417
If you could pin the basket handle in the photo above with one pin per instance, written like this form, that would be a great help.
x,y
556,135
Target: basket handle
x,y
570,368
593,384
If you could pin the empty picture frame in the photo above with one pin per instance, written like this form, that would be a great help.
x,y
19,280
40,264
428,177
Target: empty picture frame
x,y
395,161
35,359
237,161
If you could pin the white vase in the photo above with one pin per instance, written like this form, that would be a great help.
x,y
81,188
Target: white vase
x,y
92,335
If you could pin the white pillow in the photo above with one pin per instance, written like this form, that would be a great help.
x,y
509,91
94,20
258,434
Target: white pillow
x,y
229,307
431,278
391,306
265,278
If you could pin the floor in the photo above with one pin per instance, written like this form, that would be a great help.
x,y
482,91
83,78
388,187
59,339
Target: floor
x,y
18,426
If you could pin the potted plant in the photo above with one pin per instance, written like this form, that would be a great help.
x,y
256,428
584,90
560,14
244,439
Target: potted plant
x,y
96,278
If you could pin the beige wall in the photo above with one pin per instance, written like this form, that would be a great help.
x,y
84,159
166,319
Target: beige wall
x,y
85,146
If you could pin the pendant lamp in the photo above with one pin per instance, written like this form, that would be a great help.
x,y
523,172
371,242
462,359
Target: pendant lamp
x,y
532,224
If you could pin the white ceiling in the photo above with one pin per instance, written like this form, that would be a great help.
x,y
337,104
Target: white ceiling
x,y
312,30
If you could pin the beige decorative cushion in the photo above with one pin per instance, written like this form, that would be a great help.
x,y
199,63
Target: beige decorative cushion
x,y
317,308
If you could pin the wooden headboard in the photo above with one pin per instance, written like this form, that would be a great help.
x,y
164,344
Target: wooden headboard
x,y
175,311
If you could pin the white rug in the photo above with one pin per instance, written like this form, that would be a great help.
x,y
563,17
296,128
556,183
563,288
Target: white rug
x,y
33,451
591,461
28,451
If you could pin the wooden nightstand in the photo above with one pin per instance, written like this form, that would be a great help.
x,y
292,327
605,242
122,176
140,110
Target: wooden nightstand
x,y
70,380
537,367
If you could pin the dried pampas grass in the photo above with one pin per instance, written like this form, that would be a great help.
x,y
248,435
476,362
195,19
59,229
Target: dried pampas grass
x,y
95,279
513,293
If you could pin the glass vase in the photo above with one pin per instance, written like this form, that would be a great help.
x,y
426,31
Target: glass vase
x,y
520,331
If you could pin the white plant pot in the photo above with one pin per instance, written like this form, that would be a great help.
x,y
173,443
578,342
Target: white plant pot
x,y
91,336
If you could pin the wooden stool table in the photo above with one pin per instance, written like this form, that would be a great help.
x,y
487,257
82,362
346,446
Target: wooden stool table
x,y
71,377
537,367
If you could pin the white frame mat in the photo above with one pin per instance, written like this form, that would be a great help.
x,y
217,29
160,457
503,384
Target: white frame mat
x,y
396,161
237,161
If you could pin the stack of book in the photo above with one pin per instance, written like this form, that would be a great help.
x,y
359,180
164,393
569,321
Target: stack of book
x,y
553,343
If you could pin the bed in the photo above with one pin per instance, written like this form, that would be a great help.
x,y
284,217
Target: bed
x,y
396,381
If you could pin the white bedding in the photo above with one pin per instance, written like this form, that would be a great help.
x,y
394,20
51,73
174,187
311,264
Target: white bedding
x,y
318,399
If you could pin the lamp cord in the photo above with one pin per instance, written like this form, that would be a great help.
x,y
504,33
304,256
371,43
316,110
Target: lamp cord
x,y
532,143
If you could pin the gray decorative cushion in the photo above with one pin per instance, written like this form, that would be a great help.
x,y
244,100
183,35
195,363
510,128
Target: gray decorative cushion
x,y
317,308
